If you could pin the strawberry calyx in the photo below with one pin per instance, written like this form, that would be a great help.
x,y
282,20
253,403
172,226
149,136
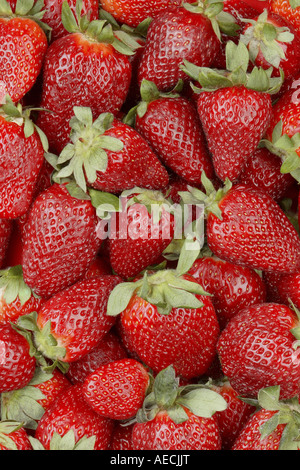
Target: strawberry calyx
x,y
285,147
7,427
236,73
26,9
287,412
65,442
166,395
13,286
100,30
263,36
85,155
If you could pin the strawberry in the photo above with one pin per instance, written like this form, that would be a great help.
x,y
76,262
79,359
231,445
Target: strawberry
x,y
273,41
132,13
69,423
29,403
231,420
257,349
58,245
13,436
189,32
245,226
5,234
72,322
17,365
16,298
121,438
109,349
22,149
21,35
89,59
177,417
287,9
161,321
144,227
117,390
233,287
233,136
108,155
171,125
274,426
284,287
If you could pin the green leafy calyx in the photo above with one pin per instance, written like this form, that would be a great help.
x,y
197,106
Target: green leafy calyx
x,y
13,285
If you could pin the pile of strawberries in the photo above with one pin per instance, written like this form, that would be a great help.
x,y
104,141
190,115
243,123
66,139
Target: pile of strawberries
x,y
126,321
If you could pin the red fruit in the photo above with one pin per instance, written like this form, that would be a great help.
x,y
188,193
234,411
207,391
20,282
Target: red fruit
x,y
17,366
5,233
175,35
13,436
109,349
117,390
71,412
160,334
81,69
23,45
285,9
121,438
284,287
59,242
172,127
233,287
257,349
72,322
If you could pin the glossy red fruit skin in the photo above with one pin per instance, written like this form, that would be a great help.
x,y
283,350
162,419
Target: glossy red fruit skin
x,y
17,367
285,10
173,129
250,436
20,439
233,287
262,171
234,120
80,72
21,159
172,36
78,315
117,390
11,312
109,349
285,288
161,433
70,411
259,236
121,438
19,76
135,165
58,245
5,233
178,338
256,350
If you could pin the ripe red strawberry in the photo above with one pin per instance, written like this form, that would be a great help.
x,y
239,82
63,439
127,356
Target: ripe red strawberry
x,y
83,68
109,349
287,9
161,321
273,41
5,234
177,417
59,241
231,420
235,108
17,366
262,171
274,426
285,288
134,12
29,403
23,44
13,436
72,322
22,148
233,287
117,390
171,125
71,417
121,438
246,226
174,35
140,232
16,298
257,349
108,155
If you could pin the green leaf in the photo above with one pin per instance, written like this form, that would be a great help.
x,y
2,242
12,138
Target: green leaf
x,y
237,56
68,19
269,398
294,3
203,402
5,8
165,387
120,298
